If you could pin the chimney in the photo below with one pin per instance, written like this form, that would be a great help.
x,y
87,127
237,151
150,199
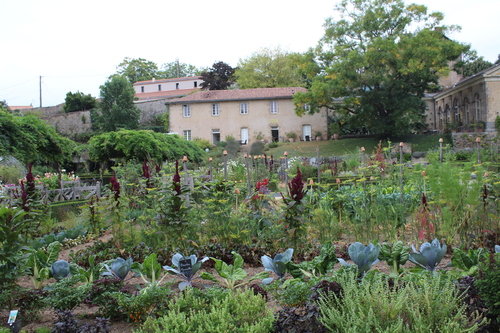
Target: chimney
x,y
153,79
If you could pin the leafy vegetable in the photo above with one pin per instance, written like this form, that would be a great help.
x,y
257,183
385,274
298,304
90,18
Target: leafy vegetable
x,y
276,265
497,248
231,274
88,276
149,269
317,266
187,276
39,262
60,269
119,268
395,255
430,254
467,261
363,256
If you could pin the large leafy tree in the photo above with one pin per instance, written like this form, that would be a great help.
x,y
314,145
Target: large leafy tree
x,y
377,61
268,68
142,145
137,69
177,69
219,77
116,109
471,64
79,102
29,139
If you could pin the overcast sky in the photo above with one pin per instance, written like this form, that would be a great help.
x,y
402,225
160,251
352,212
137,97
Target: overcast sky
x,y
75,46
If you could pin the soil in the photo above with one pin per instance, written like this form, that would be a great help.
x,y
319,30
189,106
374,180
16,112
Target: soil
x,y
84,313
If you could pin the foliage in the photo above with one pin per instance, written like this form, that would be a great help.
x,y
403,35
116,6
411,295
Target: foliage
x,y
60,269
395,256
176,69
376,304
116,109
219,77
88,275
79,102
148,303
12,224
29,139
380,58
318,266
232,275
469,260
430,254
100,295
31,303
296,210
240,311
363,256
488,284
119,268
137,69
67,323
142,145
471,64
268,68
186,275
277,265
66,294
40,261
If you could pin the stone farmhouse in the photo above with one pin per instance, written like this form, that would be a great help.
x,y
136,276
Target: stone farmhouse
x,y
247,115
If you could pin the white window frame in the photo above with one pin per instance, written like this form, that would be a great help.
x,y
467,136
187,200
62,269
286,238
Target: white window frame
x,y
186,111
243,108
306,131
215,110
187,135
273,107
244,135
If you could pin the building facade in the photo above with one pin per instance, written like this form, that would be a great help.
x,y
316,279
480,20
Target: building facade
x,y
166,88
247,115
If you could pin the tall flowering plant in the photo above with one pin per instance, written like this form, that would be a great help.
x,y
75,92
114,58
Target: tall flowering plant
x,y
296,210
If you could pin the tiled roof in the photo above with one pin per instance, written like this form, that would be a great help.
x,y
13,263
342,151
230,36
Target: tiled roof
x,y
25,107
188,78
239,94
165,94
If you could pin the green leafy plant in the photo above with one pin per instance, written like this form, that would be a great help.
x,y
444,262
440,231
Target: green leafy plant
x,y
430,254
468,261
488,284
363,256
87,275
232,275
276,265
40,261
119,268
395,256
60,269
318,266
186,275
150,270
67,293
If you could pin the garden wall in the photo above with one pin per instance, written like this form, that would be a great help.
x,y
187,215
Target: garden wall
x,y
468,140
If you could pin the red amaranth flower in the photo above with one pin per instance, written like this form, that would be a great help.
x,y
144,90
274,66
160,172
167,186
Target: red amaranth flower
x,y
177,179
115,187
296,187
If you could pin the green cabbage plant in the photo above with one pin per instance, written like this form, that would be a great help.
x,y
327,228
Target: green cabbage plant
x,y
363,256
276,265
188,275
60,269
430,254
119,268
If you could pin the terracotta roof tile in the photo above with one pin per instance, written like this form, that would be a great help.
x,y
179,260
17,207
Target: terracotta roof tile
x,y
239,94
189,78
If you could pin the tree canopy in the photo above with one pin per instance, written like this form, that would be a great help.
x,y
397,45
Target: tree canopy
x,y
176,69
116,109
79,102
137,69
29,139
142,145
219,77
471,64
268,68
376,62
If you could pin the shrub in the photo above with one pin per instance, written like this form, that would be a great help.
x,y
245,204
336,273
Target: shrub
x,y
488,284
420,303
241,311
257,148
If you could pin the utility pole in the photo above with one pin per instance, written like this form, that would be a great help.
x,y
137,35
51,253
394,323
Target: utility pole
x,y
40,91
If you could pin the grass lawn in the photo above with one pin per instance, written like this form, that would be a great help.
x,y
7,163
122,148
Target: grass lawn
x,y
351,145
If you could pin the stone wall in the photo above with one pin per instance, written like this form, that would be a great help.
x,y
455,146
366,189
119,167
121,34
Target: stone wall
x,y
468,140
79,121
